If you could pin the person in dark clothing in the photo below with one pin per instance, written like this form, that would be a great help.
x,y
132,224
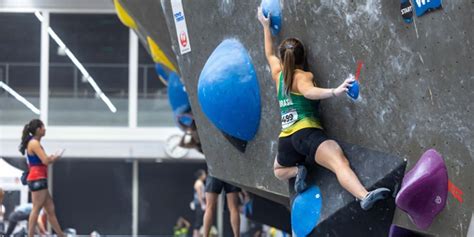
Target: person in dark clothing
x,y
21,213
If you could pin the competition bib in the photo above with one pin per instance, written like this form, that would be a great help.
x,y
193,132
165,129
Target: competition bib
x,y
289,118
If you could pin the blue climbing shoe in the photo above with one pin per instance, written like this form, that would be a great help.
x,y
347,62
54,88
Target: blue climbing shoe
x,y
300,184
374,196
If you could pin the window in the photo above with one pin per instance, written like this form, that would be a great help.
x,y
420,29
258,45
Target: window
x,y
100,43
19,67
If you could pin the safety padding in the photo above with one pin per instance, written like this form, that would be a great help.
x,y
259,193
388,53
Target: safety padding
x,y
305,211
424,189
228,91
273,7
158,55
123,15
341,214
397,231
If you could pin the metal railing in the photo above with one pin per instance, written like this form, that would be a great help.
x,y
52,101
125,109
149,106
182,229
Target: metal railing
x,y
120,91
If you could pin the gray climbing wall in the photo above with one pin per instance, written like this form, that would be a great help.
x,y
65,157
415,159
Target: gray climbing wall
x,y
416,86
150,22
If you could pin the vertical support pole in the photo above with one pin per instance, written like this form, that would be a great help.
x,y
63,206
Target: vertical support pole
x,y
135,197
133,80
44,68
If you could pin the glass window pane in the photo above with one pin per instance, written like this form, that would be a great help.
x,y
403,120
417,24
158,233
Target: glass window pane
x,y
19,66
100,44
153,107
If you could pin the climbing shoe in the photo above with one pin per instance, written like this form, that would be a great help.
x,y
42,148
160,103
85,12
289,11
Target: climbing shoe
x,y
300,184
373,196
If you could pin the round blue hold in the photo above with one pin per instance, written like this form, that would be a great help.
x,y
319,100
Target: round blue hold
x,y
228,91
306,210
178,99
161,71
354,90
272,7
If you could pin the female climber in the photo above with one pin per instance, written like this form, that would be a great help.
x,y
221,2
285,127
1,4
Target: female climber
x,y
37,178
302,138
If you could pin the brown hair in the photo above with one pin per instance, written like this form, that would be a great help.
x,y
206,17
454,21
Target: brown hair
x,y
29,131
292,54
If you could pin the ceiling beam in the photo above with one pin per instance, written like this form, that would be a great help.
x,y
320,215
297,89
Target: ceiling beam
x,y
58,6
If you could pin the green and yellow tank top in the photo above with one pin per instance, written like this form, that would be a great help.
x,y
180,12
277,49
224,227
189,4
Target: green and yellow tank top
x,y
297,112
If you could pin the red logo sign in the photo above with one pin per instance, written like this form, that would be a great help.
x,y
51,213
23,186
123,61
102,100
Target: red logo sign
x,y
455,191
183,39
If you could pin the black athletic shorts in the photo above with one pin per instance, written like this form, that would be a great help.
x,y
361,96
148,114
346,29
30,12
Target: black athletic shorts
x,y
37,185
300,147
214,185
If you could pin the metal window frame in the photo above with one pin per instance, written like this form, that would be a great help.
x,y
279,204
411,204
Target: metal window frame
x,y
25,6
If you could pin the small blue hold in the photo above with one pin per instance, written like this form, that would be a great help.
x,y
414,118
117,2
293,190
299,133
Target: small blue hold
x,y
354,90
183,119
272,7
421,6
306,210
161,71
228,91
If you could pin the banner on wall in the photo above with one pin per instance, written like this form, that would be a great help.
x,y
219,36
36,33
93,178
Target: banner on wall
x,y
180,25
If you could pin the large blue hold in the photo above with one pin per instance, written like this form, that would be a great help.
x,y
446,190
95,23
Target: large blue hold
x,y
421,6
305,211
178,98
272,7
228,91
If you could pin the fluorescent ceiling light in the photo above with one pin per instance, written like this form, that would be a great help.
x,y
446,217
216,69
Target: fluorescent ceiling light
x,y
79,66
19,98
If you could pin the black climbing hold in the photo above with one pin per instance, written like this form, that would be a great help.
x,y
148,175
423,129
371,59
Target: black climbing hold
x,y
339,209
240,144
407,10
397,231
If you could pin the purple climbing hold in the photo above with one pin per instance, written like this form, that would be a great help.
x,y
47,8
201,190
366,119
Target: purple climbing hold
x,y
424,189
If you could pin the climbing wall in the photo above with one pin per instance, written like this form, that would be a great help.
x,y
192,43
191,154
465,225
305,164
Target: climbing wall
x,y
150,22
253,169
416,87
